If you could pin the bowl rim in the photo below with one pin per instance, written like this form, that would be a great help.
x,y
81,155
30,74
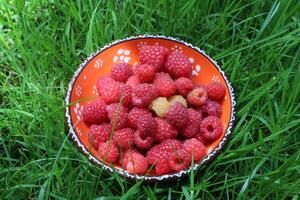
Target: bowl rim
x,y
210,156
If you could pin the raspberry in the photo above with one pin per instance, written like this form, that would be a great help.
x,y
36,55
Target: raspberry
x,y
125,156
143,140
179,99
201,139
195,148
124,138
216,91
95,112
147,124
164,130
170,145
110,91
126,91
143,94
133,81
108,152
179,160
160,106
99,133
102,82
153,55
145,73
211,108
193,124
137,164
165,85
178,65
197,97
184,85
121,72
117,115
211,128
159,159
162,166
177,115
135,114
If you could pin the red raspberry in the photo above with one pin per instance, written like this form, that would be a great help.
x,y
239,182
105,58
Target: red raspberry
x,y
201,139
153,55
126,91
177,115
145,73
102,82
195,148
135,114
117,115
178,65
162,166
211,108
95,112
147,124
160,160
125,156
179,160
170,145
124,138
136,164
193,124
133,81
99,133
110,91
143,94
121,72
143,140
216,91
211,128
197,97
108,152
165,85
164,130
184,85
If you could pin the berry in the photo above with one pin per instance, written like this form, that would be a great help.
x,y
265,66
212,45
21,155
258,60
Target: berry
x,y
177,115
193,124
125,156
102,82
147,124
110,91
99,133
211,128
179,160
108,152
136,163
201,139
165,85
124,138
160,106
135,114
184,85
170,145
159,159
216,91
133,81
143,140
95,112
178,65
195,148
179,99
153,55
126,91
197,97
117,116
121,72
143,94
211,108
145,73
164,130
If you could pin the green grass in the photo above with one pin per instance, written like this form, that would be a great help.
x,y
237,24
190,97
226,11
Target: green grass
x,y
257,43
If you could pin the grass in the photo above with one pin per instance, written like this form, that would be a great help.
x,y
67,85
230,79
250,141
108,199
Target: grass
x,y
257,43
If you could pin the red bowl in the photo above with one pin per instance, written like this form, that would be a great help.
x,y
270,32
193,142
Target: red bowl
x,y
83,86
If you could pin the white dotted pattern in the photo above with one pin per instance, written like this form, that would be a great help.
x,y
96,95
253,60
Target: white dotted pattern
x,y
78,90
122,56
216,78
78,111
196,71
94,91
98,64
141,44
177,48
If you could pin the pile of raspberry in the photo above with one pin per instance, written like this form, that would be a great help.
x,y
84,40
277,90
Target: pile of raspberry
x,y
151,118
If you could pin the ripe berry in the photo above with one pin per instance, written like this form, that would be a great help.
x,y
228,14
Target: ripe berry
x,y
95,112
179,160
143,94
165,85
201,139
178,65
102,82
125,92
133,81
124,138
136,163
177,115
164,130
160,106
108,152
121,72
143,140
110,91
170,145
216,91
145,73
153,55
211,128
193,124
184,85
195,148
197,97
160,160
135,114
99,133
211,108
147,124
117,114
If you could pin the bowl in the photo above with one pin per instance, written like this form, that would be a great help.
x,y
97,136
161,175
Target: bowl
x,y
83,87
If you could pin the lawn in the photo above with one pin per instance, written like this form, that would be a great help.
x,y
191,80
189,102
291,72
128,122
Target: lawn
x,y
257,43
